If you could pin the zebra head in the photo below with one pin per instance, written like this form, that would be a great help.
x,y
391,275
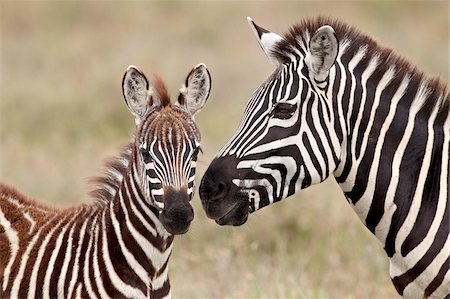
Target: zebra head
x,y
284,141
167,142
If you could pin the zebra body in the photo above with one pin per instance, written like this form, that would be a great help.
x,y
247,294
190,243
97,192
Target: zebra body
x,y
118,246
339,104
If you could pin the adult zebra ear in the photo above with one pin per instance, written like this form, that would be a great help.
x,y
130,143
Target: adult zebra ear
x,y
266,40
323,50
136,92
195,91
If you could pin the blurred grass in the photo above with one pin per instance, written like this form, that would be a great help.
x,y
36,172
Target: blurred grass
x,y
62,113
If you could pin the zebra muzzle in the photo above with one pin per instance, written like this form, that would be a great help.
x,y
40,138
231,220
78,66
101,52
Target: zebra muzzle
x,y
177,213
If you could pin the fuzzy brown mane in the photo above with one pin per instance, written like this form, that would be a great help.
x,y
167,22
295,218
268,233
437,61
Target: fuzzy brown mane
x,y
160,89
106,186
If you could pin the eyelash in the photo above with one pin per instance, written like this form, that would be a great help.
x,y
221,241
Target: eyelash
x,y
284,110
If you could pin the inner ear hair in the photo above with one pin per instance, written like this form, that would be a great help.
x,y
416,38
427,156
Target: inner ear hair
x,y
135,88
323,48
195,90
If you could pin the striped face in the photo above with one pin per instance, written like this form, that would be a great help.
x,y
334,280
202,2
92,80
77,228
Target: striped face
x,y
167,142
284,141
169,154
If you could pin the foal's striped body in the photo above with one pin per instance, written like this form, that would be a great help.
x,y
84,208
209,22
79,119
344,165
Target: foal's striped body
x,y
84,251
118,246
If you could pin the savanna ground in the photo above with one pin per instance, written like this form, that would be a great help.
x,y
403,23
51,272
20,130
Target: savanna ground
x,y
62,113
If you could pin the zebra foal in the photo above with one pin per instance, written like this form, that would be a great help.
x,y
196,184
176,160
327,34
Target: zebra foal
x,y
118,246
340,104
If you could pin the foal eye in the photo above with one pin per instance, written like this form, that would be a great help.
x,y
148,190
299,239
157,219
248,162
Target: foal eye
x,y
146,155
195,153
284,110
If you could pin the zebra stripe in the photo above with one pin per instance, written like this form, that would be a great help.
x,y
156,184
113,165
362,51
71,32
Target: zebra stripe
x,y
119,246
376,123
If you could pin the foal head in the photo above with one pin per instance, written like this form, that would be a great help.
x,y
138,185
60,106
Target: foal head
x,y
167,142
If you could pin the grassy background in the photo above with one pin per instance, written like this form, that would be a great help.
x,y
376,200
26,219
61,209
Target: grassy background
x,y
61,113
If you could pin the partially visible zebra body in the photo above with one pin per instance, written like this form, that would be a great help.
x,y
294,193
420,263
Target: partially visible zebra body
x,y
340,104
118,246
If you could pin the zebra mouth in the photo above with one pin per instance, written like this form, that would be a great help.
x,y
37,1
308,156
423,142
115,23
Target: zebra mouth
x,y
237,215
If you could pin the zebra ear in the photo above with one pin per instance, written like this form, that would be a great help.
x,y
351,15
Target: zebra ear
x,y
266,40
195,91
323,50
135,89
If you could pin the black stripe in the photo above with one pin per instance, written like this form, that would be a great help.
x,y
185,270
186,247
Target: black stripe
x,y
391,142
60,258
438,279
409,276
430,197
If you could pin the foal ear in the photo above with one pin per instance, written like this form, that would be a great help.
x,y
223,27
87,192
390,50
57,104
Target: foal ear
x,y
135,89
323,50
266,40
195,91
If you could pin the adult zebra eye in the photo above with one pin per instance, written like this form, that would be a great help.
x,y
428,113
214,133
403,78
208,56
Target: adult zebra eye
x,y
284,110
146,155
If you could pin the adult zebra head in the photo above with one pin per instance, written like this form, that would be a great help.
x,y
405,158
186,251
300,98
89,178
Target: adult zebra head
x,y
285,140
167,142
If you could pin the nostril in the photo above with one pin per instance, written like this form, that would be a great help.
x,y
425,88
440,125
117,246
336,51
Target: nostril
x,y
220,190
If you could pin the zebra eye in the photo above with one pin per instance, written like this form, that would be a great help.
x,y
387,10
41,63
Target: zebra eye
x,y
284,110
146,155
195,153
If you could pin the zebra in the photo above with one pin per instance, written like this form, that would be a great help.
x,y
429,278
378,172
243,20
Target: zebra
x,y
340,104
119,245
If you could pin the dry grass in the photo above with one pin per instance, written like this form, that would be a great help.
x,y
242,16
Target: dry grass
x,y
62,113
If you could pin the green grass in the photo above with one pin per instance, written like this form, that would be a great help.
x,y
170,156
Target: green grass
x,y
62,113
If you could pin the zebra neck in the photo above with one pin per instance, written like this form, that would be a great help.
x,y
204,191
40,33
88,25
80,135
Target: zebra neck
x,y
144,239
395,148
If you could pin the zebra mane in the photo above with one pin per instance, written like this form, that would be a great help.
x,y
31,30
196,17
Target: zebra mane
x,y
106,186
297,38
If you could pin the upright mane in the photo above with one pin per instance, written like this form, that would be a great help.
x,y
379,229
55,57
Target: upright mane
x,y
106,185
352,39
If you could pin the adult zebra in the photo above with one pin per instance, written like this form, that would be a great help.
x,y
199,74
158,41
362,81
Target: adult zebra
x,y
119,246
338,103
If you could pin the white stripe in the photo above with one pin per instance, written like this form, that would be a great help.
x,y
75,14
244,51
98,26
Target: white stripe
x,y
153,180
28,217
118,283
152,253
383,226
97,275
362,206
131,260
426,277
67,258
349,183
23,263
421,248
74,276
144,222
78,291
38,260
13,239
51,264
159,191
399,268
86,278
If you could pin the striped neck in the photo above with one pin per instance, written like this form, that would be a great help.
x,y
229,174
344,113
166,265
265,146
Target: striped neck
x,y
133,226
384,108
